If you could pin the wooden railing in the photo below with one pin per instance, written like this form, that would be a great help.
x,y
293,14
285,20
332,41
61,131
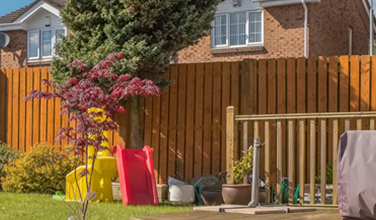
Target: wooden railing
x,y
300,166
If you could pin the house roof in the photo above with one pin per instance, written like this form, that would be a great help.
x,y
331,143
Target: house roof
x,y
11,17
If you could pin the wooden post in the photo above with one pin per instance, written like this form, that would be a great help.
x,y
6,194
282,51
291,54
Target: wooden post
x,y
245,146
291,158
347,124
302,160
335,154
279,162
267,163
312,159
230,140
323,161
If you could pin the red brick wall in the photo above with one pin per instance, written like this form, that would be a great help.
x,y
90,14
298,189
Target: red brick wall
x,y
284,34
15,54
329,23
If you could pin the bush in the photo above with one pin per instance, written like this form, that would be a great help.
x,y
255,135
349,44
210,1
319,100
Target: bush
x,y
7,154
41,170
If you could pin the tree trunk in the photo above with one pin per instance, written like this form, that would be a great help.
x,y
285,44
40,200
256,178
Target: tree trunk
x,y
136,122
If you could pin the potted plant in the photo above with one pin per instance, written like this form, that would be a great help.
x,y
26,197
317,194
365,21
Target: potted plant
x,y
211,193
239,193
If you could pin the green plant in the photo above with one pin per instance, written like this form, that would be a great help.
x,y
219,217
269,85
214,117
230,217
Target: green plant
x,y
242,167
42,169
7,154
329,175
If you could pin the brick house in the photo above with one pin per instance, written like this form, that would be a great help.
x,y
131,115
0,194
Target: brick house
x,y
241,29
276,28
33,32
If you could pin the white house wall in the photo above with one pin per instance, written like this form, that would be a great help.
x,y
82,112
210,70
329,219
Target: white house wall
x,y
246,5
37,21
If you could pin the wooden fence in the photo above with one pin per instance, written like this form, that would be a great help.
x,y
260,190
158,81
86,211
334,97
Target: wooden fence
x,y
186,125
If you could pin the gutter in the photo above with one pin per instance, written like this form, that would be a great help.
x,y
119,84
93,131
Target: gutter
x,y
10,24
305,28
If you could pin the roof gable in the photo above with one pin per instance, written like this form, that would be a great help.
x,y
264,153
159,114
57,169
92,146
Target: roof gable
x,y
14,16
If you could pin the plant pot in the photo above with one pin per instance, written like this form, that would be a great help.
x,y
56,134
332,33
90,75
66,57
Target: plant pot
x,y
181,194
239,194
212,196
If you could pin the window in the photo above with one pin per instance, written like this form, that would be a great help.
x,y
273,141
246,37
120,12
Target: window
x,y
41,43
33,44
46,43
57,33
238,30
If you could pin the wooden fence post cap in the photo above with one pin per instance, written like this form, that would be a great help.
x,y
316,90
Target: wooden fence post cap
x,y
230,108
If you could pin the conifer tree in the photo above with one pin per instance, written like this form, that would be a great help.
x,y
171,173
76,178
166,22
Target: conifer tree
x,y
148,32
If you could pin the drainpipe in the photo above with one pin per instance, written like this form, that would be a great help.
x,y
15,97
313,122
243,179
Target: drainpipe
x,y
370,29
305,27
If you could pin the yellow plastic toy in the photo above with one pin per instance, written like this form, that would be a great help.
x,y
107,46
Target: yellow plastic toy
x,y
105,169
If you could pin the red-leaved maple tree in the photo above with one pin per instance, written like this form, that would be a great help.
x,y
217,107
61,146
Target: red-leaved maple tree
x,y
80,94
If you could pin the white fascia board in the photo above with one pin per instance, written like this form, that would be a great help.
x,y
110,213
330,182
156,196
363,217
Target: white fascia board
x,y
12,28
272,3
35,8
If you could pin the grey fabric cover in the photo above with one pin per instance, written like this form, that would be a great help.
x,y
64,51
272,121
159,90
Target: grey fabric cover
x,y
356,175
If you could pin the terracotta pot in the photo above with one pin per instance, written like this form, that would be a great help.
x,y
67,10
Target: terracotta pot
x,y
239,194
211,196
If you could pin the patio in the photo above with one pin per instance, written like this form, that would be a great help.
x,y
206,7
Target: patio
x,y
319,214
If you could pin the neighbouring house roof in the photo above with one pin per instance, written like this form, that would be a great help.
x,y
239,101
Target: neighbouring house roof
x,y
11,17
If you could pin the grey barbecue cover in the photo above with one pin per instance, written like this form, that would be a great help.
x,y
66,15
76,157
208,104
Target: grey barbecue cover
x,y
356,175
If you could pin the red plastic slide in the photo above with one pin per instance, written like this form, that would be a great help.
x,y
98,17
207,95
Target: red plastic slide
x,y
136,175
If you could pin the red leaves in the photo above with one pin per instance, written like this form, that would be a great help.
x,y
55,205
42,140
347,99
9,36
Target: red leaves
x,y
78,95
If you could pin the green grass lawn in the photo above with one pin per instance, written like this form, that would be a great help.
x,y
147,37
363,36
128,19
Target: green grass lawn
x,y
37,206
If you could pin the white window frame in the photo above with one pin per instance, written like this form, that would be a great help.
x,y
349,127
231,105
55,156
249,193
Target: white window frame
x,y
28,45
40,56
52,43
248,44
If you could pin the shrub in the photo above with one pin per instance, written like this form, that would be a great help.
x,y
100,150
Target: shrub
x,y
242,167
42,170
7,154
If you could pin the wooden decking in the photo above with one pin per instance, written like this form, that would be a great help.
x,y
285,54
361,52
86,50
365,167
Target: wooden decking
x,y
320,214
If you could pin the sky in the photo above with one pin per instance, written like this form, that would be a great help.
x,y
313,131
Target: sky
x,y
8,6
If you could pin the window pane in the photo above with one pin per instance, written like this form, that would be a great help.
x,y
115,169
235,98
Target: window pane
x,y
220,30
237,29
47,43
58,32
33,44
255,27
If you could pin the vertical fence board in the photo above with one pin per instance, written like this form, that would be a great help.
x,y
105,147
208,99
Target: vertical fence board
x,y
181,121
207,118
235,101
226,85
57,125
365,87
322,104
354,88
36,108
15,108
301,108
291,108
163,149
148,122
272,109
10,107
199,120
155,135
29,110
311,100
281,106
262,105
332,102
190,121
44,110
22,111
373,90
343,89
172,121
50,117
3,105
216,142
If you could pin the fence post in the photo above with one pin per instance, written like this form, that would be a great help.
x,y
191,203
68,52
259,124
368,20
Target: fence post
x,y
245,146
230,121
